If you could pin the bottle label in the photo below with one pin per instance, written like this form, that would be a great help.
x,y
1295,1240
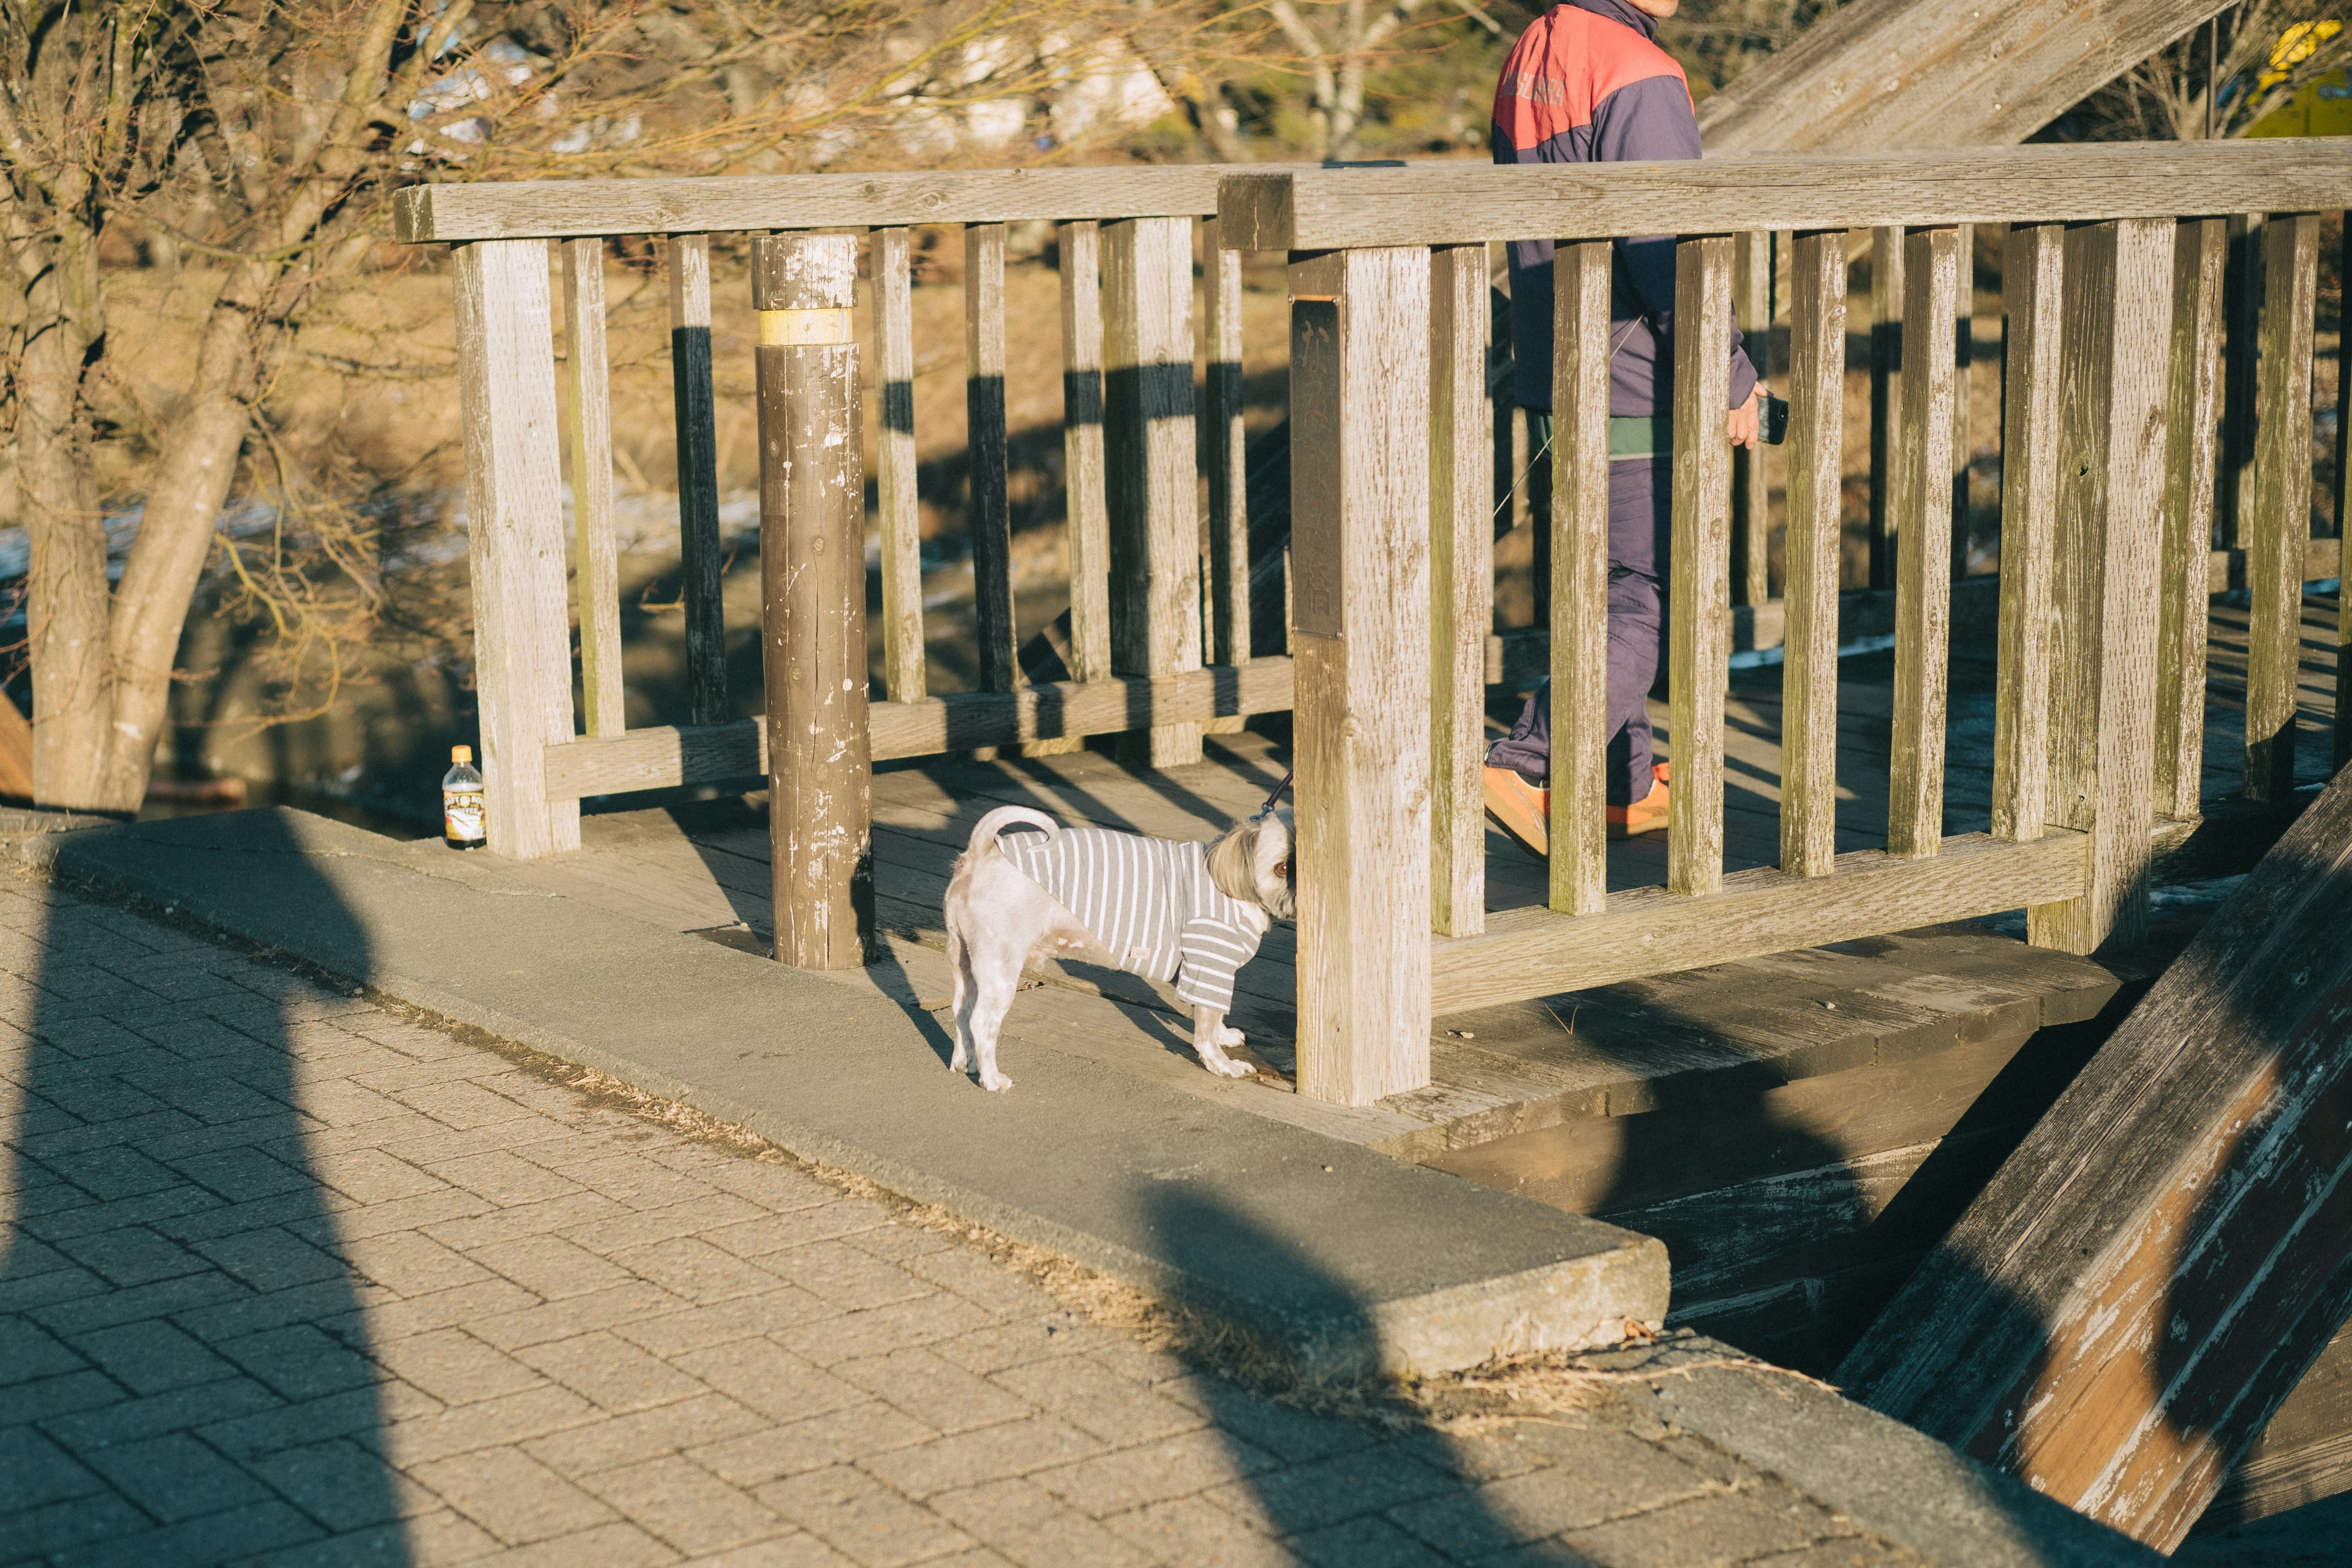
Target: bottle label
x,y
461,815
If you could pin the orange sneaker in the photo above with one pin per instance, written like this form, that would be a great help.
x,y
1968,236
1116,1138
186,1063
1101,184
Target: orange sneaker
x,y
1643,817
1520,809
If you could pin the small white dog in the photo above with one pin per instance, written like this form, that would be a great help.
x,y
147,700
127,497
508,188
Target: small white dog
x,y
1163,909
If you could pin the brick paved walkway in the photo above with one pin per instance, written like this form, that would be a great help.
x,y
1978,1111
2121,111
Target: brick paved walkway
x,y
284,1276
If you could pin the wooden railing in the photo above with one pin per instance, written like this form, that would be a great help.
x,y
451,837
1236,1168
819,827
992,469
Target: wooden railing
x,y
2113,281
1135,651
2112,278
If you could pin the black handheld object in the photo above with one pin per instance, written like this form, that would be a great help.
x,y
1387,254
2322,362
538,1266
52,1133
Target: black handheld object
x,y
1773,420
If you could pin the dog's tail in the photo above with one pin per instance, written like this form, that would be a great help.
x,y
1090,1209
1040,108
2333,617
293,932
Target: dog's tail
x,y
984,837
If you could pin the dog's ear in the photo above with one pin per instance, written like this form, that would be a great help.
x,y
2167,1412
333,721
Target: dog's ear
x,y
1231,863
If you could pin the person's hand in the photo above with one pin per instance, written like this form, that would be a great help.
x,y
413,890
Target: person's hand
x,y
1745,424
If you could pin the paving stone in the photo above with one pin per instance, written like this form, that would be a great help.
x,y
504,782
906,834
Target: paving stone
x,y
173,1477
770,1378
273,1259
44,1398
1311,1495
1175,1467
1847,1553
983,1454
706,1419
616,1306
1722,1527
798,1228
999,1345
512,1495
151,1356
798,1550
40,1472
300,1361
773,1452
525,1222
620,1545
517,1417
372,1176
1192,1532
860,1518
455,1367
937,1392
770,1185
685,1505
360,1413
613,1373
37,1534
618,1233
1092,1397
1034,1529
230,1535
550,1266
27,1351
410,1263
486,1301
503,1177
835,1336
692,1267
674,1333
847,1277
341,1485
983,1282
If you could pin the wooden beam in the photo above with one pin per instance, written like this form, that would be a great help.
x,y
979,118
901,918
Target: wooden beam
x,y
900,512
1225,445
514,539
1359,510
1930,74
989,514
1088,527
2032,287
1814,551
1649,930
1155,523
695,417
2110,545
738,203
2199,254
813,599
1457,203
1699,614
1461,583
1922,507
666,756
2146,1278
1579,578
2280,523
1752,491
588,419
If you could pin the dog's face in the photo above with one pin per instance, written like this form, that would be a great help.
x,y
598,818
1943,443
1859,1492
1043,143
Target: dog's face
x,y
1252,863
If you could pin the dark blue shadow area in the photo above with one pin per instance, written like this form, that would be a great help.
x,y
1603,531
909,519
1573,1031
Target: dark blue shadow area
x,y
184,1375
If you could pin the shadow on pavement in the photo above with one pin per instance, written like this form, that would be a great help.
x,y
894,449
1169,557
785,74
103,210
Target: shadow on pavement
x,y
184,1375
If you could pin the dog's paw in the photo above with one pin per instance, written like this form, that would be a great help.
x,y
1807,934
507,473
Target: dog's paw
x,y
992,1081
1225,1067
1228,1035
960,1062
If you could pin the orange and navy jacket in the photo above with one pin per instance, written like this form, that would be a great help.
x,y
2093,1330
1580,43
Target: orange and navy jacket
x,y
1587,83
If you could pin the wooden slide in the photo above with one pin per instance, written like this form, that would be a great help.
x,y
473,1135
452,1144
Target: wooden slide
x,y
1885,76
2143,1283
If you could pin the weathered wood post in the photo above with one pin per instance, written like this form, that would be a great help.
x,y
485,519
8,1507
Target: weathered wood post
x,y
694,412
2107,548
522,621
1148,445
813,599
1462,584
1360,385
2276,531
2200,254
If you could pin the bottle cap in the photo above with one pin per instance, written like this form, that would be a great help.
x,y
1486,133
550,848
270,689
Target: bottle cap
x,y
461,754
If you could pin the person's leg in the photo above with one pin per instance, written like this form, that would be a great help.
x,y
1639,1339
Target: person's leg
x,y
1641,511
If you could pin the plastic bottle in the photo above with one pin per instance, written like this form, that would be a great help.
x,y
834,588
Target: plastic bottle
x,y
461,801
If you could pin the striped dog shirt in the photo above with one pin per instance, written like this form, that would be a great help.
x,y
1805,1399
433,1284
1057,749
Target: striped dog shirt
x,y
1150,901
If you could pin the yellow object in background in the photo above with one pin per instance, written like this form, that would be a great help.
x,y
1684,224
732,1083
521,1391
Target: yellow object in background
x,y
2324,107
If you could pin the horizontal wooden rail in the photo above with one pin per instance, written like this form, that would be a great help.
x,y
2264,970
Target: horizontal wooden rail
x,y
670,756
1533,952
537,209
1458,203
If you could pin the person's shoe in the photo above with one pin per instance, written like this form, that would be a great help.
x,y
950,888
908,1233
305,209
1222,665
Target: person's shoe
x,y
1520,809
1643,816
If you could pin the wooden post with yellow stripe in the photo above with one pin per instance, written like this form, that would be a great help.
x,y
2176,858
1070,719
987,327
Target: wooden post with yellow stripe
x,y
813,599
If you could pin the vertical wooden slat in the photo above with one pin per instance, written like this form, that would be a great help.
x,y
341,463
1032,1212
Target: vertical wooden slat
x,y
1920,519
2235,494
698,477
2109,550
1359,510
514,510
1964,364
1155,530
596,572
894,468
1226,445
1886,295
990,517
1580,581
1699,614
2032,274
813,600
1750,490
2280,526
1811,546
2200,255
1461,585
1082,450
